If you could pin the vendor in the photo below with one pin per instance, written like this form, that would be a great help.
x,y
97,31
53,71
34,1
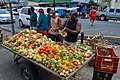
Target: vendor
x,y
72,27
42,23
55,24
33,18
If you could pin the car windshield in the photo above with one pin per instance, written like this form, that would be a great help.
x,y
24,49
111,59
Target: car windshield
x,y
4,12
105,10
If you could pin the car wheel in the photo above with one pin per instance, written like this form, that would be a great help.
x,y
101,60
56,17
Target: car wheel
x,y
28,71
102,18
21,23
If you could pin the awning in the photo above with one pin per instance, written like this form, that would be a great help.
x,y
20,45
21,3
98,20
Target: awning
x,y
2,3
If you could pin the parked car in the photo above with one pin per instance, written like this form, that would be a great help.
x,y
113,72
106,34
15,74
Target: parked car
x,y
14,11
5,16
69,9
25,13
108,14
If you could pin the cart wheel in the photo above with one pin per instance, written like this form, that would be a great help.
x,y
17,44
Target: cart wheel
x,y
72,78
28,71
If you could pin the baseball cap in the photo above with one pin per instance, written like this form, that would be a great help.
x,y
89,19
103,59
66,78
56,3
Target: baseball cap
x,y
73,11
41,10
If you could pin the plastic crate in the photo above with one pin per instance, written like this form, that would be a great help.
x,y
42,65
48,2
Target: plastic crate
x,y
106,60
92,62
101,76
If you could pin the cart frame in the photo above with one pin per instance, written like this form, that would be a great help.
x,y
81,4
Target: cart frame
x,y
18,56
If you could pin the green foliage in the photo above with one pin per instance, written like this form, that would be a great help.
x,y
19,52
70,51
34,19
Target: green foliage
x,y
91,2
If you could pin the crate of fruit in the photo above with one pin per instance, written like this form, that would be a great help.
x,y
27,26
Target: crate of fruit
x,y
106,60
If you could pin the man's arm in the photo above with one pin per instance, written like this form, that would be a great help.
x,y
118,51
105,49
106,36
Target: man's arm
x,y
59,23
39,21
64,25
33,19
78,29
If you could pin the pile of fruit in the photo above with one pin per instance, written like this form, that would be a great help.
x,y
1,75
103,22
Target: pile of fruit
x,y
96,40
55,55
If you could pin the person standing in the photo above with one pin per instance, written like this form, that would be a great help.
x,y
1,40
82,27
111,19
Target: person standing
x,y
48,15
72,27
33,18
42,23
92,16
55,24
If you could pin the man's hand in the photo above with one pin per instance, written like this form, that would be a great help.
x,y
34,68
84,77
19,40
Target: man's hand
x,y
38,25
67,29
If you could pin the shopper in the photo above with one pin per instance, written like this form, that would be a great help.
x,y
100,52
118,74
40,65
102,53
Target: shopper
x,y
48,15
92,16
73,27
55,24
33,18
42,23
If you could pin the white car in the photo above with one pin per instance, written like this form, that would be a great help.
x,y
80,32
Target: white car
x,y
25,13
5,16
14,11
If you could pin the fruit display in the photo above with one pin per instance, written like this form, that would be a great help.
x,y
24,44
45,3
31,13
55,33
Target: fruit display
x,y
64,34
96,40
54,55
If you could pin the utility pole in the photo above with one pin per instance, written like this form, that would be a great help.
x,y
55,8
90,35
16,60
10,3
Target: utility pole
x,y
54,4
109,3
97,4
13,29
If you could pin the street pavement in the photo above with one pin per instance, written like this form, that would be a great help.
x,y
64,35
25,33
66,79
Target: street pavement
x,y
108,28
9,70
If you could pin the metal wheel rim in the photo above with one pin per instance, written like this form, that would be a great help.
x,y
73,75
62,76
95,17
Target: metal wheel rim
x,y
102,18
26,74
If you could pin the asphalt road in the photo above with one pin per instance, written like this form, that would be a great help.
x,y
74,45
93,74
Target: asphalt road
x,y
11,71
108,28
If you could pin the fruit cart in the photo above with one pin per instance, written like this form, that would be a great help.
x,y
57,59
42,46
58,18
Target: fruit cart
x,y
39,52
46,68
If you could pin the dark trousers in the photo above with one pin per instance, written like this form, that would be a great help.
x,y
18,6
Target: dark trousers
x,y
56,38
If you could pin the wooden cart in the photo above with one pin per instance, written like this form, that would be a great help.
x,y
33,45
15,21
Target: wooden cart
x,y
46,68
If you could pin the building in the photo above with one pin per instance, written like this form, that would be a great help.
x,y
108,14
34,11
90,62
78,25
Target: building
x,y
115,4
21,3
87,1
50,0
15,3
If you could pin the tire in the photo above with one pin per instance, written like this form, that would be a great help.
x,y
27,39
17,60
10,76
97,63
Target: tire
x,y
21,23
29,71
102,18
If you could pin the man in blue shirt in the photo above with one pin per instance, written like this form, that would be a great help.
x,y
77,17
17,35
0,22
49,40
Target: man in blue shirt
x,y
42,23
33,18
48,15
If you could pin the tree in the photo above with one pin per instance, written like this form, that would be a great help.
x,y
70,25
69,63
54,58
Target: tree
x,y
108,1
91,2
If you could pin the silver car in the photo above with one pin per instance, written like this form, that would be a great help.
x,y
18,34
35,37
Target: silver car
x,y
5,16
108,14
